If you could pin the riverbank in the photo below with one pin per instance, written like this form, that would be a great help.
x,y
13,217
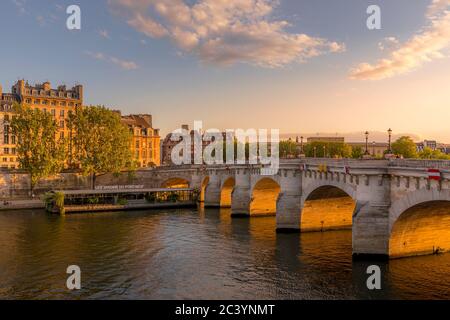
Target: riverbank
x,y
21,204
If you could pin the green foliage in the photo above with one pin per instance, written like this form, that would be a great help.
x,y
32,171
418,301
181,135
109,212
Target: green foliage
x,y
328,149
59,202
93,200
405,146
122,201
101,141
429,153
288,149
150,197
39,153
357,152
173,197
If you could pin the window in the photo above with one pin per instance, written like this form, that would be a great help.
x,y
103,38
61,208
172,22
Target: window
x,y
13,139
61,124
6,150
53,103
137,144
13,151
70,104
53,112
28,100
45,102
62,104
61,113
6,139
61,135
6,117
37,101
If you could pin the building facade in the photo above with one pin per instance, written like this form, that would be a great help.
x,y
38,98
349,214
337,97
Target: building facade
x,y
8,155
168,144
145,144
60,102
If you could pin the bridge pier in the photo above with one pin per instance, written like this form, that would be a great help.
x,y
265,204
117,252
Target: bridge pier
x,y
212,191
370,233
241,195
288,213
289,203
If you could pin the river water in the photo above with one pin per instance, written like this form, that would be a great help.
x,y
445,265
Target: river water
x,y
195,254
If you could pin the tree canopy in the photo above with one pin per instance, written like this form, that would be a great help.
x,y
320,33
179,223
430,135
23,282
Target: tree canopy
x,y
39,153
405,146
101,142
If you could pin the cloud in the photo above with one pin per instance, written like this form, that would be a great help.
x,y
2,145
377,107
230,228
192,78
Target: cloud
x,y
104,34
425,46
20,5
224,32
126,65
388,43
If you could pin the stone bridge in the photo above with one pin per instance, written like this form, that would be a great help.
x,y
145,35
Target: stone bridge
x,y
393,207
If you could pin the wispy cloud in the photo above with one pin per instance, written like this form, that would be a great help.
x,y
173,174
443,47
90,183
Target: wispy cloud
x,y
124,64
224,32
20,5
425,46
104,34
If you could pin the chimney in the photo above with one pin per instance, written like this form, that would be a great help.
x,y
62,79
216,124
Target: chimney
x,y
185,127
46,86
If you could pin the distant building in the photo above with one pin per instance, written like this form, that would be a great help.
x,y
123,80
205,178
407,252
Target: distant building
x,y
145,145
431,144
376,149
326,139
59,102
168,145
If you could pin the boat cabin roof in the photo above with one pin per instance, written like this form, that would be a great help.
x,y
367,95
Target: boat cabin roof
x,y
116,191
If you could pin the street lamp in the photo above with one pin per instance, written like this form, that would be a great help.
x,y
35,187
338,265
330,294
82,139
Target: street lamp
x,y
373,148
324,151
315,151
367,143
301,144
390,137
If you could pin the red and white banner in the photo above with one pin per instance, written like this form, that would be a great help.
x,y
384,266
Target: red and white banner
x,y
434,174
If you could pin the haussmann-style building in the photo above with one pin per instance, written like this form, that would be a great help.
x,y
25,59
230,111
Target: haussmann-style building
x,y
59,102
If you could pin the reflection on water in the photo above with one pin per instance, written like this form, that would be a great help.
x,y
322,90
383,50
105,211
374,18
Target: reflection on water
x,y
190,254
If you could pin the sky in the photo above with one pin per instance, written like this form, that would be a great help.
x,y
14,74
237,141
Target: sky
x,y
301,66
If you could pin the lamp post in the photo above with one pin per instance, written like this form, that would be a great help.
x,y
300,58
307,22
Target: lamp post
x,y
373,149
315,152
301,144
367,143
390,137
324,151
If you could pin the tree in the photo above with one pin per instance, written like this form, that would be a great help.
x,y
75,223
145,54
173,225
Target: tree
x,y
288,148
428,153
328,149
101,142
357,152
39,153
405,146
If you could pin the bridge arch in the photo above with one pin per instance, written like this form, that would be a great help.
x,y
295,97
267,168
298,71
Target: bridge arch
x,y
327,206
264,196
176,182
203,186
419,224
226,191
